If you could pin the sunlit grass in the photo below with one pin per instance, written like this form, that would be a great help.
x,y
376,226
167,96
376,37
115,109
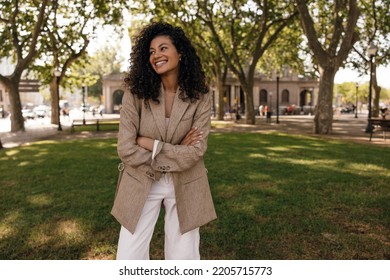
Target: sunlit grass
x,y
92,127
277,197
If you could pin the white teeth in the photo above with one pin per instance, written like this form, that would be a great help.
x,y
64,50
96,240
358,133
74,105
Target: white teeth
x,y
160,63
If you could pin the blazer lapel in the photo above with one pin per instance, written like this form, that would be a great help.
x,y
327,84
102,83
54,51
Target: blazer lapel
x,y
158,112
178,109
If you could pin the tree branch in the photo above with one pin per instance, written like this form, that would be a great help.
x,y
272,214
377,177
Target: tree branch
x,y
308,27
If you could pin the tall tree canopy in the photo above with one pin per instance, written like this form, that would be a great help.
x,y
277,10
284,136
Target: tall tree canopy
x,y
59,36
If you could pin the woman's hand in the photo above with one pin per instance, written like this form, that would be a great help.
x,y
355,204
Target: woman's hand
x,y
145,142
192,137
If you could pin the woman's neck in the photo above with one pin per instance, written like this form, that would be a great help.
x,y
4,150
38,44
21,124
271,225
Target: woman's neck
x,y
170,84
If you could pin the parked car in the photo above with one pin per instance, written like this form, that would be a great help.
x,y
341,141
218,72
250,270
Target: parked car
x,y
41,111
96,110
84,107
28,114
347,110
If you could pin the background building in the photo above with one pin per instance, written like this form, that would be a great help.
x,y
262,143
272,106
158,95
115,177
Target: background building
x,y
300,94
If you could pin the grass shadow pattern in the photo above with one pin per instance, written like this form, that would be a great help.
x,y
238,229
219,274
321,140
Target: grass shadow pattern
x,y
277,197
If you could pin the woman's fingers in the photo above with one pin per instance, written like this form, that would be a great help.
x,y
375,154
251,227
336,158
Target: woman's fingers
x,y
193,137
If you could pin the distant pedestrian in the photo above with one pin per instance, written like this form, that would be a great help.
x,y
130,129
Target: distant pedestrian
x,y
261,108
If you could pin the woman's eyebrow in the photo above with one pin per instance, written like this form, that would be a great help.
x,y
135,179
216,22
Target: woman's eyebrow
x,y
159,46
162,44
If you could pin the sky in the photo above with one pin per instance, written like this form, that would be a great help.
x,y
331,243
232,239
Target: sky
x,y
348,75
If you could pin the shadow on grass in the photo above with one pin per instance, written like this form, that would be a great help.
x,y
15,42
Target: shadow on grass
x,y
282,197
56,199
276,196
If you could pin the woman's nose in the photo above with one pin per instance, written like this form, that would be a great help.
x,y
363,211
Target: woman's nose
x,y
157,54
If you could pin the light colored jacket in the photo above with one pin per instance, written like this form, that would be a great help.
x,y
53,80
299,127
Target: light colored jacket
x,y
193,198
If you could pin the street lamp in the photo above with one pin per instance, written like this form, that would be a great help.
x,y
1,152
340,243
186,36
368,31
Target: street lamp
x,y
57,74
84,108
356,105
277,97
371,52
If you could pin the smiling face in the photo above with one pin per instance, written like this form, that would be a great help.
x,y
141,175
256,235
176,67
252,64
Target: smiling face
x,y
164,57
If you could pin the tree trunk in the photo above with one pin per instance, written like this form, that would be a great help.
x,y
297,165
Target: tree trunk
x,y
249,110
17,120
54,101
247,87
324,114
1,145
329,56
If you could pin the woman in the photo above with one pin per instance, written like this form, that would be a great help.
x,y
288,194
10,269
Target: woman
x,y
165,122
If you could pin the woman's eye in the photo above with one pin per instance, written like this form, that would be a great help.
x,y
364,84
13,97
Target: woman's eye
x,y
151,52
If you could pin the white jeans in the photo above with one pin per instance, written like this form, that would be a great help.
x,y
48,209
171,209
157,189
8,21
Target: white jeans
x,y
177,246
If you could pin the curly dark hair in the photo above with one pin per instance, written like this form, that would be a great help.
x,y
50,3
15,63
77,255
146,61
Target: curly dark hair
x,y
145,83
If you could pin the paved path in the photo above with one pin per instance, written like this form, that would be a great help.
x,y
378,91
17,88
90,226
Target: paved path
x,y
345,127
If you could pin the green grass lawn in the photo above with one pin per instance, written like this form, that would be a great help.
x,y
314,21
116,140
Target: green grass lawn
x,y
277,197
114,126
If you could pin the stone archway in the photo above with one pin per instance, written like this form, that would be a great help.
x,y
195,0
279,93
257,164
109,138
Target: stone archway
x,y
117,100
113,91
263,97
306,101
285,97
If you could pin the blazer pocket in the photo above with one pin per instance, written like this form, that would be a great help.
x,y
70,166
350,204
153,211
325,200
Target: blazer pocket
x,y
193,174
128,177
194,178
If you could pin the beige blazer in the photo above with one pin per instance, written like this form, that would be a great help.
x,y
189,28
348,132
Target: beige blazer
x,y
193,198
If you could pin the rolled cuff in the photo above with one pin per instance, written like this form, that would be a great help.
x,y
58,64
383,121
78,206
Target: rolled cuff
x,y
155,144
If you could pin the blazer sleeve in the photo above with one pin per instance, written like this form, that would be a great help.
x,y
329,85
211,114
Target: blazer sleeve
x,y
177,158
129,152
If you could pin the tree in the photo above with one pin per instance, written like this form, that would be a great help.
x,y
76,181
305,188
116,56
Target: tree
x,y
330,29
287,52
243,32
60,36
374,27
216,68
19,38
350,93
66,43
69,29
